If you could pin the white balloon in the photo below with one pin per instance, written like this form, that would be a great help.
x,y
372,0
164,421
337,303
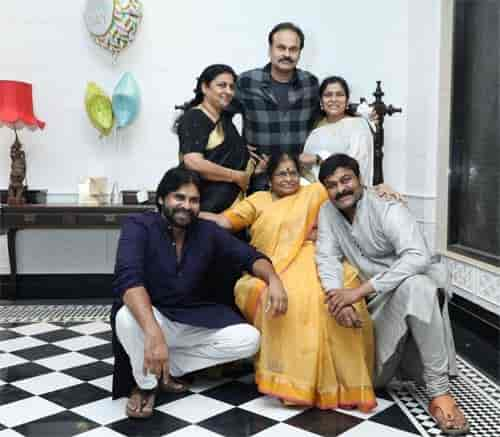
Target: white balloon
x,y
98,16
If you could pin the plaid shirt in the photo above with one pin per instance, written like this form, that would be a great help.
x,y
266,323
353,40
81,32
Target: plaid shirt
x,y
265,125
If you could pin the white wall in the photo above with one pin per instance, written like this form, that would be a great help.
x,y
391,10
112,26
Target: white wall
x,y
46,43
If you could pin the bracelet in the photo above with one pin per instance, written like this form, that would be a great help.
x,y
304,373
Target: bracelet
x,y
231,175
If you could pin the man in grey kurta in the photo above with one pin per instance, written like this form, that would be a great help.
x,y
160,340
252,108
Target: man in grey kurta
x,y
399,279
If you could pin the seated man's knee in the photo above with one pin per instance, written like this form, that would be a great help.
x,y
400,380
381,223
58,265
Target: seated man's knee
x,y
417,286
125,322
249,340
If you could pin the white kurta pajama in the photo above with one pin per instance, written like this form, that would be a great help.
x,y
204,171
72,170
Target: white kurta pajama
x,y
385,243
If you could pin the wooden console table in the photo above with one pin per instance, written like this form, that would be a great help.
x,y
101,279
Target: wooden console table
x,y
56,216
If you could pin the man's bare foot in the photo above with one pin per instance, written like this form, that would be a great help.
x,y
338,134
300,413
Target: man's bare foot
x,y
448,415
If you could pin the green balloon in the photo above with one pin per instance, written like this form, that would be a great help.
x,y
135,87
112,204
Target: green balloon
x,y
99,108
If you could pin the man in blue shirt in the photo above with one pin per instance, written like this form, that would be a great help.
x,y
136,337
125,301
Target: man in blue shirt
x,y
164,317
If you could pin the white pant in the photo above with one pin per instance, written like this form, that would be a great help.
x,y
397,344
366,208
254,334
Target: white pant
x,y
190,348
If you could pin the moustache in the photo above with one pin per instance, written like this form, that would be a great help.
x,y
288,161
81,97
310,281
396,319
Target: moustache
x,y
183,210
343,194
286,59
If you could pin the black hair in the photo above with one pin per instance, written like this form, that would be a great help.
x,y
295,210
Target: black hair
x,y
345,86
330,165
277,158
173,179
335,79
287,26
206,76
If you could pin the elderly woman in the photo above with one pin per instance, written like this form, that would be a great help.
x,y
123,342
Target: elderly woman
x,y
210,144
338,132
306,357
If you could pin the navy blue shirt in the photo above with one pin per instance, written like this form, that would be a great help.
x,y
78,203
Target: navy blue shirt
x,y
147,257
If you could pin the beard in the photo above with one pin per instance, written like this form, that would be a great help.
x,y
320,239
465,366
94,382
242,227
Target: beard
x,y
179,217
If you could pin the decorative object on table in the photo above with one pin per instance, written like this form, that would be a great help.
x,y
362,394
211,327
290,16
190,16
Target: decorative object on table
x,y
378,141
93,191
99,108
16,112
113,23
126,100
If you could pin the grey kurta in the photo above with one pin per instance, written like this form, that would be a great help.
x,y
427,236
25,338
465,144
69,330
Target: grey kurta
x,y
385,243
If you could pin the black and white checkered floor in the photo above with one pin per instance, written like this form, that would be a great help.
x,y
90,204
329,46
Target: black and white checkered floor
x,y
55,380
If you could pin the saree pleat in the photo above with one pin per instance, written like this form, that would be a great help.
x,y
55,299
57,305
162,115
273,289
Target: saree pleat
x,y
305,356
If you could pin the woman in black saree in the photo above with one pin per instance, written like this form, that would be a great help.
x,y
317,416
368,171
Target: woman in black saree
x,y
210,144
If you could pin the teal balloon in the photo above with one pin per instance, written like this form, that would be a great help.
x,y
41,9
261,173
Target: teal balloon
x,y
126,100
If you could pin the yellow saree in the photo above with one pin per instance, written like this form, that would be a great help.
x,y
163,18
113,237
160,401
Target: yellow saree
x,y
305,356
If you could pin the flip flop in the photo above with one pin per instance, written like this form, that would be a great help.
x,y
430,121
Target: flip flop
x,y
449,417
144,399
174,385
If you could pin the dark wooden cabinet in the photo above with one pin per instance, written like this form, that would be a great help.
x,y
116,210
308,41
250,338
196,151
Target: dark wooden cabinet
x,y
46,216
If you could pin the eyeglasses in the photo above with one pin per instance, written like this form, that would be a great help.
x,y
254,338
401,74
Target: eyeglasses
x,y
285,173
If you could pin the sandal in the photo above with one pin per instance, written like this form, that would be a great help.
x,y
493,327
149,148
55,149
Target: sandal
x,y
449,417
141,403
174,385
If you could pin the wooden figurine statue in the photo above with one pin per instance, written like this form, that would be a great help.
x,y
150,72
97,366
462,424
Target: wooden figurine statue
x,y
17,189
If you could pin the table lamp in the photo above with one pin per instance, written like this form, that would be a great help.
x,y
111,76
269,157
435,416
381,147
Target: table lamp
x,y
16,112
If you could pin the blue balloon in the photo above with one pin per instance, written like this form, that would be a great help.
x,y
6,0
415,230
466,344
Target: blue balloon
x,y
126,100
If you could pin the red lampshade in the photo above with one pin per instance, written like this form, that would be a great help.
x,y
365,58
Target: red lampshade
x,y
16,106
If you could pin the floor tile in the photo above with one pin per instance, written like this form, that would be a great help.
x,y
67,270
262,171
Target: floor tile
x,y
193,431
76,395
325,423
10,433
284,430
27,410
110,360
393,416
108,336
36,328
66,361
194,408
8,335
201,384
105,383
45,383
158,425
237,422
22,371
40,352
77,343
371,429
271,407
59,335
382,404
10,393
103,411
100,432
163,398
20,343
234,392
65,423
7,360
98,352
90,371
91,328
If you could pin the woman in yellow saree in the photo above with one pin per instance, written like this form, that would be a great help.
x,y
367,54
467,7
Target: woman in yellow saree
x,y
306,357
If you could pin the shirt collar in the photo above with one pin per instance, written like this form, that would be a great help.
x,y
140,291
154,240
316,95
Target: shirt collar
x,y
295,82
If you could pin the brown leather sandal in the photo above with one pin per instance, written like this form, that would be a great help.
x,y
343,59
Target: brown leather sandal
x,y
141,403
174,385
448,415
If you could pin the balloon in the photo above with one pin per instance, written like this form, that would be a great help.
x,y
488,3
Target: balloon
x,y
113,23
126,100
99,108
